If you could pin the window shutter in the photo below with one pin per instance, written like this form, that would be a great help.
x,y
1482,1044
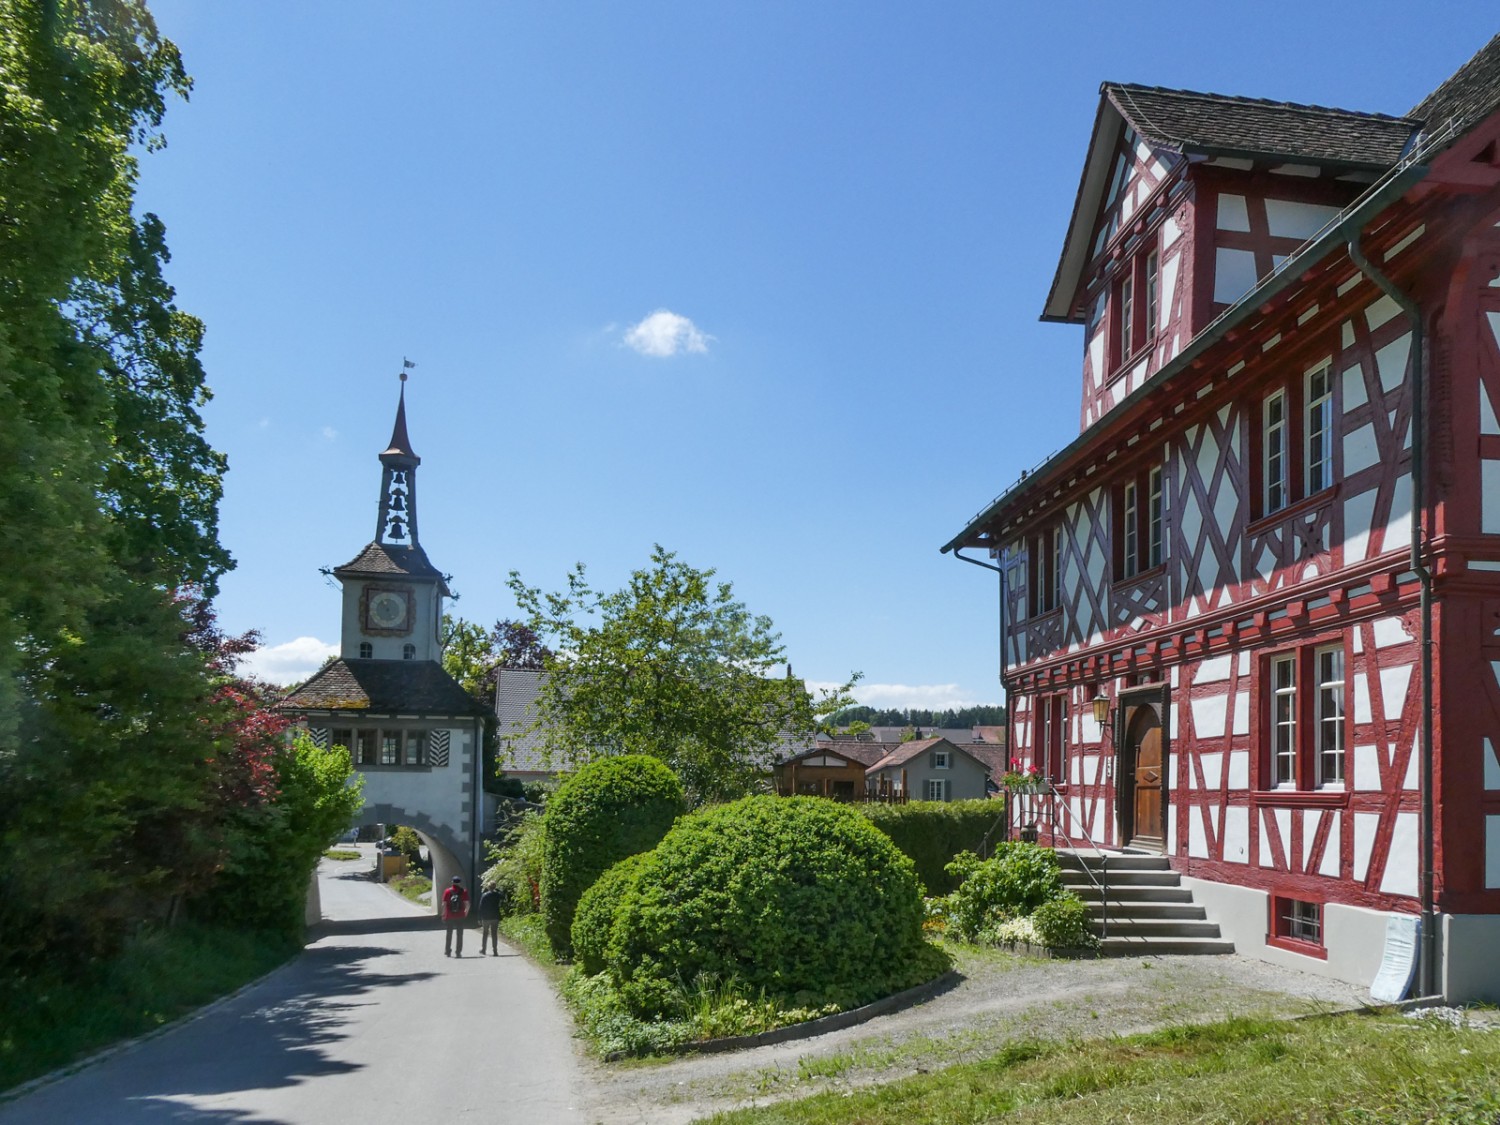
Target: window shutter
x,y
932,759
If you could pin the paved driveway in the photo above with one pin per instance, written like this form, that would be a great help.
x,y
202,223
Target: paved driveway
x,y
371,1024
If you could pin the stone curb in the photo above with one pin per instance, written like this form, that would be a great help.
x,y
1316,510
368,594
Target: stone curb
x,y
823,1024
67,1070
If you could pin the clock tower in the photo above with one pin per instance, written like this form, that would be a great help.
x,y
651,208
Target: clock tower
x,y
393,596
412,731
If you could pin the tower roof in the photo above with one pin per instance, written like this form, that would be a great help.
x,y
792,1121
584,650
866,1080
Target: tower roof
x,y
400,444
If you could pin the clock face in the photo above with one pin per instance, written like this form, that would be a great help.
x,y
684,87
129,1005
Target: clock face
x,y
387,610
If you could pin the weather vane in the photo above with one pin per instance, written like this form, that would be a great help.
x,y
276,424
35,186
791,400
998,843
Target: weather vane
x,y
406,365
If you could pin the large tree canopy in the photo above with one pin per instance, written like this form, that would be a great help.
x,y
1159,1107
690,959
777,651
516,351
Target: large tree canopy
x,y
672,665
124,745
105,477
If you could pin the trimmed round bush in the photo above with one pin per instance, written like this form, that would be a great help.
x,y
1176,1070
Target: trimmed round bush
x,y
796,896
608,810
595,916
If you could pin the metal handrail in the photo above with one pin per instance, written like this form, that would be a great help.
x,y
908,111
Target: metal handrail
x,y
1102,885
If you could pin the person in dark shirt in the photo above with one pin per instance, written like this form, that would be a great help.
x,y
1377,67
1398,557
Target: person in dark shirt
x,y
489,921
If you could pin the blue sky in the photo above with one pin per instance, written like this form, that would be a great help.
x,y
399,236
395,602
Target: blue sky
x,y
844,217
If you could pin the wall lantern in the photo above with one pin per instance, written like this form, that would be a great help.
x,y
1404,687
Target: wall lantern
x,y
1101,709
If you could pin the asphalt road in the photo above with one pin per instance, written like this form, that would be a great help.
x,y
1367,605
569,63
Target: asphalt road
x,y
371,1025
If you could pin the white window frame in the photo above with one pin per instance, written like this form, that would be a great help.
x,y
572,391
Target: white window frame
x,y
1283,720
1318,430
940,760
1274,453
1330,716
935,789
1153,295
1156,518
1127,317
1131,512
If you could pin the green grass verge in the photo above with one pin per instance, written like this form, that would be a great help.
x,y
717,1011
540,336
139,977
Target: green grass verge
x,y
49,1020
341,853
1364,1068
529,932
412,887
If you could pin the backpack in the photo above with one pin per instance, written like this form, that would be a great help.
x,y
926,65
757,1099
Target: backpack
x,y
455,899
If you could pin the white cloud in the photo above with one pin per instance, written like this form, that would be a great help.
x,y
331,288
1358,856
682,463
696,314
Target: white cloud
x,y
664,334
289,662
329,433
926,697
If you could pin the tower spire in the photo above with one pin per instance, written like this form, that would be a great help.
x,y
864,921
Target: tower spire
x,y
397,523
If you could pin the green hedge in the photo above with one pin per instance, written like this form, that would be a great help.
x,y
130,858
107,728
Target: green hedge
x,y
931,833
798,898
608,810
595,916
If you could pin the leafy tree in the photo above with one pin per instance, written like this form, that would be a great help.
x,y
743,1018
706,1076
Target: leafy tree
x,y
672,665
472,655
264,883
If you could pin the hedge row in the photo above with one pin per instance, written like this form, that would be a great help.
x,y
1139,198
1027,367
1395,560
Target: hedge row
x,y
931,833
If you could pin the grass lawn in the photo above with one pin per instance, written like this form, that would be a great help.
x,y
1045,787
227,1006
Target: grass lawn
x,y
52,1019
341,853
412,887
1359,1068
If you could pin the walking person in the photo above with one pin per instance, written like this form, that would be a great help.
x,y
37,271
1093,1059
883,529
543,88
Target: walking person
x,y
455,911
489,921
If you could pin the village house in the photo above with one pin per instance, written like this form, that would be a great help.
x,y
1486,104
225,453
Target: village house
x,y
1225,638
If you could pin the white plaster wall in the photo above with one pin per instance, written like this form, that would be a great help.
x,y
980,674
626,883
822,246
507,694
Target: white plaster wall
x,y
1353,936
1471,971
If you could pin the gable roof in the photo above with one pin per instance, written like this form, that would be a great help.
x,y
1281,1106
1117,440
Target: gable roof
x,y
1470,96
1194,124
386,687
1471,92
909,750
1200,124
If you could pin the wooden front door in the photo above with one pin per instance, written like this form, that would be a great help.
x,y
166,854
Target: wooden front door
x,y
1144,778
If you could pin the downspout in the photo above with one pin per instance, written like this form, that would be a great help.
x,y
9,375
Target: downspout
x,y
1428,979
958,553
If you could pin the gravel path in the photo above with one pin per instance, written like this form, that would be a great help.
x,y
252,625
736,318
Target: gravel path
x,y
1003,998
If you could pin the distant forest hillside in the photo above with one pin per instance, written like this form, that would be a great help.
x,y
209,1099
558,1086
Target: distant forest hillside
x,y
985,715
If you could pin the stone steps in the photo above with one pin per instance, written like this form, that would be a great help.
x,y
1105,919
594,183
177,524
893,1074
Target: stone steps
x,y
1150,912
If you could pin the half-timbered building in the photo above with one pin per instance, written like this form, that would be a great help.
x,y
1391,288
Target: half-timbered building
x,y
1216,600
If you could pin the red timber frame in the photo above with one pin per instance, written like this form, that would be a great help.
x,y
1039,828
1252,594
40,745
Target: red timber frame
x,y
1330,568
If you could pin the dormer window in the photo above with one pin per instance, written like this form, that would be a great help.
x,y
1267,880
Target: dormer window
x,y
1135,306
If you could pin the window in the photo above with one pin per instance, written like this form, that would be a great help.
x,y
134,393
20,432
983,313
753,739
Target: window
x,y
366,755
1140,515
1050,753
1135,302
1273,427
1297,925
408,652
1305,729
366,650
1319,430
940,759
1045,570
935,789
1152,287
1295,440
343,736
416,748
1329,664
1284,721
390,749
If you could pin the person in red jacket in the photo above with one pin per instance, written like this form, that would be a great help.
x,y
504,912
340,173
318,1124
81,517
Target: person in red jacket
x,y
455,910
